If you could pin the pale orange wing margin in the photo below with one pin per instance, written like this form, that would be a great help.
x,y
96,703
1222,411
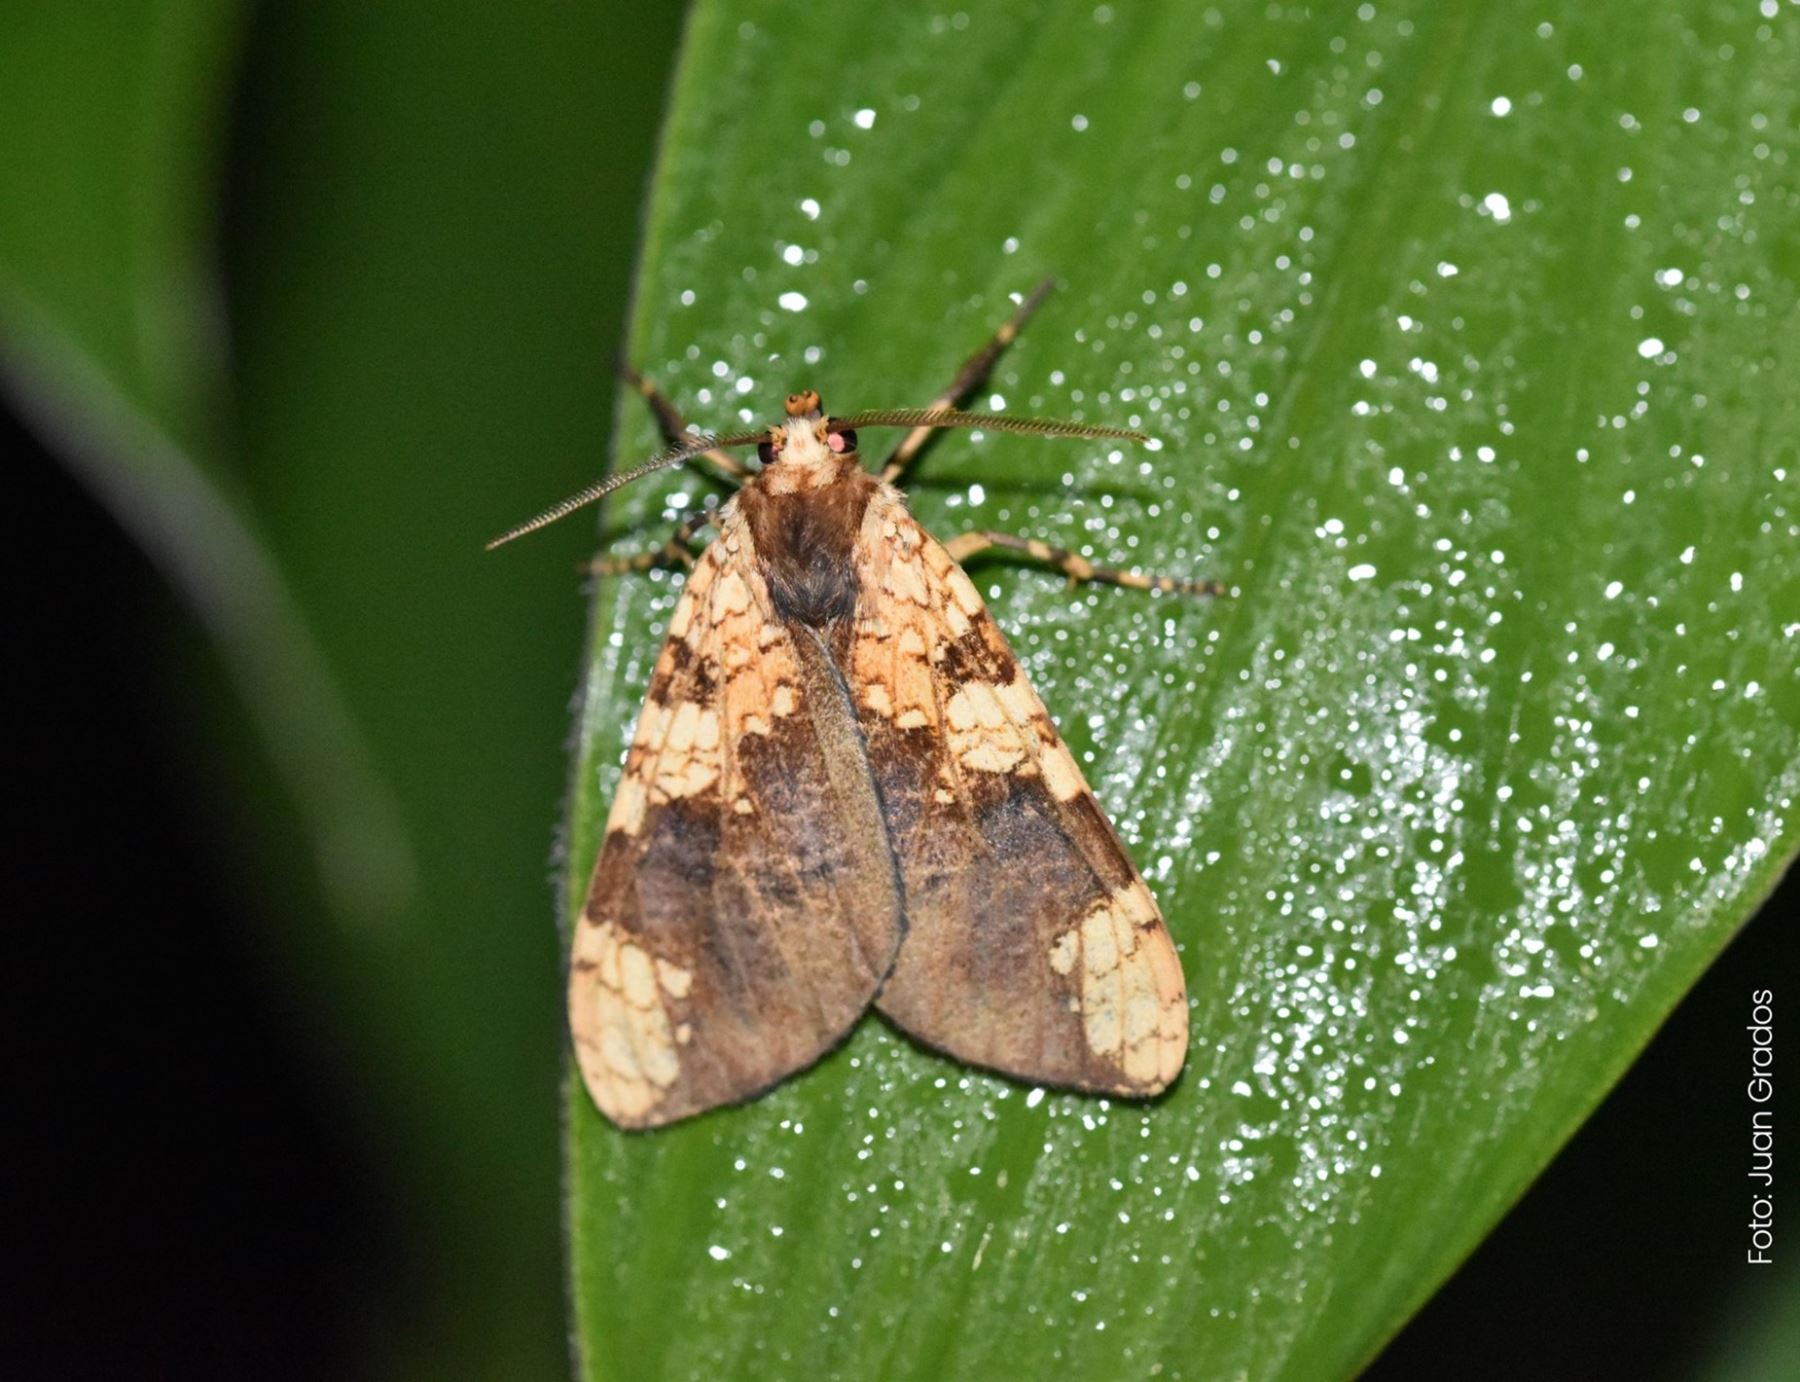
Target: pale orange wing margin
x,y
1032,944
745,907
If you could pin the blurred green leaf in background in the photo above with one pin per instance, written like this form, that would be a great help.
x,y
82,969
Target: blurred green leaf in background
x,y
311,296
1469,336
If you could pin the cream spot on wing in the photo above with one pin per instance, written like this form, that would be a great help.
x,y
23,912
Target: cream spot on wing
x,y
911,641
638,975
1064,951
755,724
1099,942
783,702
627,814
1061,775
699,587
688,760
624,1042
981,736
912,719
684,614
1133,998
685,770
743,806
876,697
706,731
608,960
1137,904
696,778
943,796
681,727
914,688
657,1050
615,1044
731,597
963,591
1100,1019
986,757
675,980
988,709
650,726
906,581
960,713
1019,700
1140,1010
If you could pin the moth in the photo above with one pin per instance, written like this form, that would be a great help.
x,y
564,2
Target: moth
x,y
842,791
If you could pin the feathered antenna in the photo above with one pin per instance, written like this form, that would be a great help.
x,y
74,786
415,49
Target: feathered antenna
x,y
675,455
991,422
690,447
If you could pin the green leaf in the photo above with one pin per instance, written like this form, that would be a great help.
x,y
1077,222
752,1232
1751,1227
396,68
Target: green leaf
x,y
1470,339
109,337
424,224
1761,1327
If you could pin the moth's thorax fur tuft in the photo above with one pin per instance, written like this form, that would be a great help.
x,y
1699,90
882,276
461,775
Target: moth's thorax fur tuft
x,y
804,445
804,513
803,455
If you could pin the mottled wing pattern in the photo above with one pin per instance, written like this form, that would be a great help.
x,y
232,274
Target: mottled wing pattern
x,y
1032,944
745,907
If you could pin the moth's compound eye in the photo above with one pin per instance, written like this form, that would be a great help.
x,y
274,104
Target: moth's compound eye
x,y
765,452
843,441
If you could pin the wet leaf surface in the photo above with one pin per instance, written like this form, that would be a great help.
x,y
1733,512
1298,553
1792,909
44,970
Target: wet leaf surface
x,y
1471,353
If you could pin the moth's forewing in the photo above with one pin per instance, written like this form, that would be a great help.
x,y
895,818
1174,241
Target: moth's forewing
x,y
1032,944
745,906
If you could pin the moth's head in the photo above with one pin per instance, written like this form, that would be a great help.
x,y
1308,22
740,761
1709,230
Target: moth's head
x,y
812,447
809,437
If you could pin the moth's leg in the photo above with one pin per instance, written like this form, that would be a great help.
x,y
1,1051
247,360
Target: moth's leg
x,y
968,379
671,422
674,552
1077,567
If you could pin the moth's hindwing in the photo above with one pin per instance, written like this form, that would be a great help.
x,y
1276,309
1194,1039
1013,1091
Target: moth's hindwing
x,y
1032,944
745,907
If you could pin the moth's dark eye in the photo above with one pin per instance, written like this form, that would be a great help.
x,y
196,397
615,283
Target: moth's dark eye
x,y
765,452
843,441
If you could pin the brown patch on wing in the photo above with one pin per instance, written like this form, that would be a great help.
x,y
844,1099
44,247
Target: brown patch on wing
x,y
1032,944
744,908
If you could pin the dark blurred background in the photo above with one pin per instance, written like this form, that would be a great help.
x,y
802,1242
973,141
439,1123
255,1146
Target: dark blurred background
x,y
304,302
277,1116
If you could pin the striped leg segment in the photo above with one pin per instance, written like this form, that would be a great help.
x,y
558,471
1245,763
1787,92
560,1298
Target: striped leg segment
x,y
1077,567
969,378
675,552
673,425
